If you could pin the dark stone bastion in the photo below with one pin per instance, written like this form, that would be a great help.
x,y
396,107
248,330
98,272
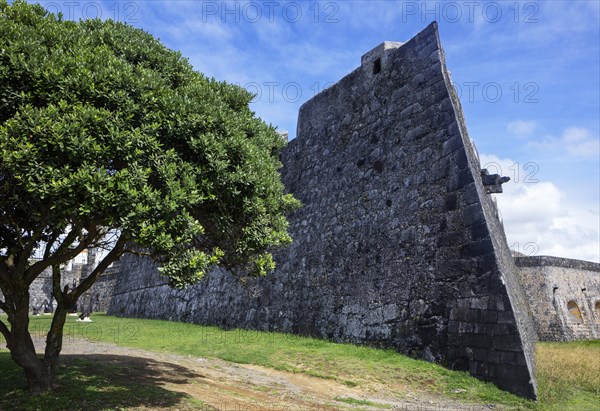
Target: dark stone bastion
x,y
397,244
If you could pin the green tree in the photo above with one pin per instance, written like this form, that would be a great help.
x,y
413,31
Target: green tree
x,y
108,138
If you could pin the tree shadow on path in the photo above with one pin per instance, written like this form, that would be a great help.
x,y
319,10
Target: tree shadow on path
x,y
100,382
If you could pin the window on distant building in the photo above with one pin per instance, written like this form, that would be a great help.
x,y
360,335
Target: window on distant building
x,y
574,311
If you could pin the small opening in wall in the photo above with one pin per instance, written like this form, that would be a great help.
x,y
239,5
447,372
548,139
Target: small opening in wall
x,y
377,66
597,309
574,311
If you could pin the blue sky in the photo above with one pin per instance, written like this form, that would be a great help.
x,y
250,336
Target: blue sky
x,y
528,74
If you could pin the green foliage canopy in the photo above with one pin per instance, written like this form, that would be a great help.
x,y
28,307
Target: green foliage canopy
x,y
104,130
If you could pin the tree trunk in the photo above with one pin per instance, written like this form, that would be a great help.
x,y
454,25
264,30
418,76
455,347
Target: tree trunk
x,y
22,350
40,373
54,340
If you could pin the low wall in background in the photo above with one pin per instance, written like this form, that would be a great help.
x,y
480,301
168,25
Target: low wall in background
x,y
564,296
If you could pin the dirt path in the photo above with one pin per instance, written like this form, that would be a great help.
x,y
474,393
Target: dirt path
x,y
228,386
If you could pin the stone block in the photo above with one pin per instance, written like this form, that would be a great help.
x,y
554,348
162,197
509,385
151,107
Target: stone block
x,y
508,357
505,317
452,144
493,356
507,343
489,316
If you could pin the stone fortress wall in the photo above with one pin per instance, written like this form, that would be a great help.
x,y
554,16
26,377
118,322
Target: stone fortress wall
x,y
398,243
563,294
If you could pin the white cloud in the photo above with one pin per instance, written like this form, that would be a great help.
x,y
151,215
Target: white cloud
x,y
521,128
540,219
576,141
579,142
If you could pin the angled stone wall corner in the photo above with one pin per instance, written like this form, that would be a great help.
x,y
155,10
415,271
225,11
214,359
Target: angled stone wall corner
x,y
509,360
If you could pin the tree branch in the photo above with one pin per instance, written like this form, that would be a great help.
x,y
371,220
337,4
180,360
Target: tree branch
x,y
63,253
5,332
69,239
58,294
112,256
23,256
4,275
3,306
49,245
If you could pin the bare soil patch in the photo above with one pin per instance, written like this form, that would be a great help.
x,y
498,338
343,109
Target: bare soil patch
x,y
223,385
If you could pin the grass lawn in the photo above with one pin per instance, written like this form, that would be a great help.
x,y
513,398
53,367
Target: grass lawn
x,y
568,373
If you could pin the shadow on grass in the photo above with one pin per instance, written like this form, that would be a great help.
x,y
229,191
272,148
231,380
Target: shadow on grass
x,y
99,382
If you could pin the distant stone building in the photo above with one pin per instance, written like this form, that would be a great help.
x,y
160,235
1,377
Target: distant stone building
x,y
41,296
564,296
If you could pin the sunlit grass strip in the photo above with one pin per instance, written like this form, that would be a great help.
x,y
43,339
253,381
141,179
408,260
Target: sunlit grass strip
x,y
569,371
